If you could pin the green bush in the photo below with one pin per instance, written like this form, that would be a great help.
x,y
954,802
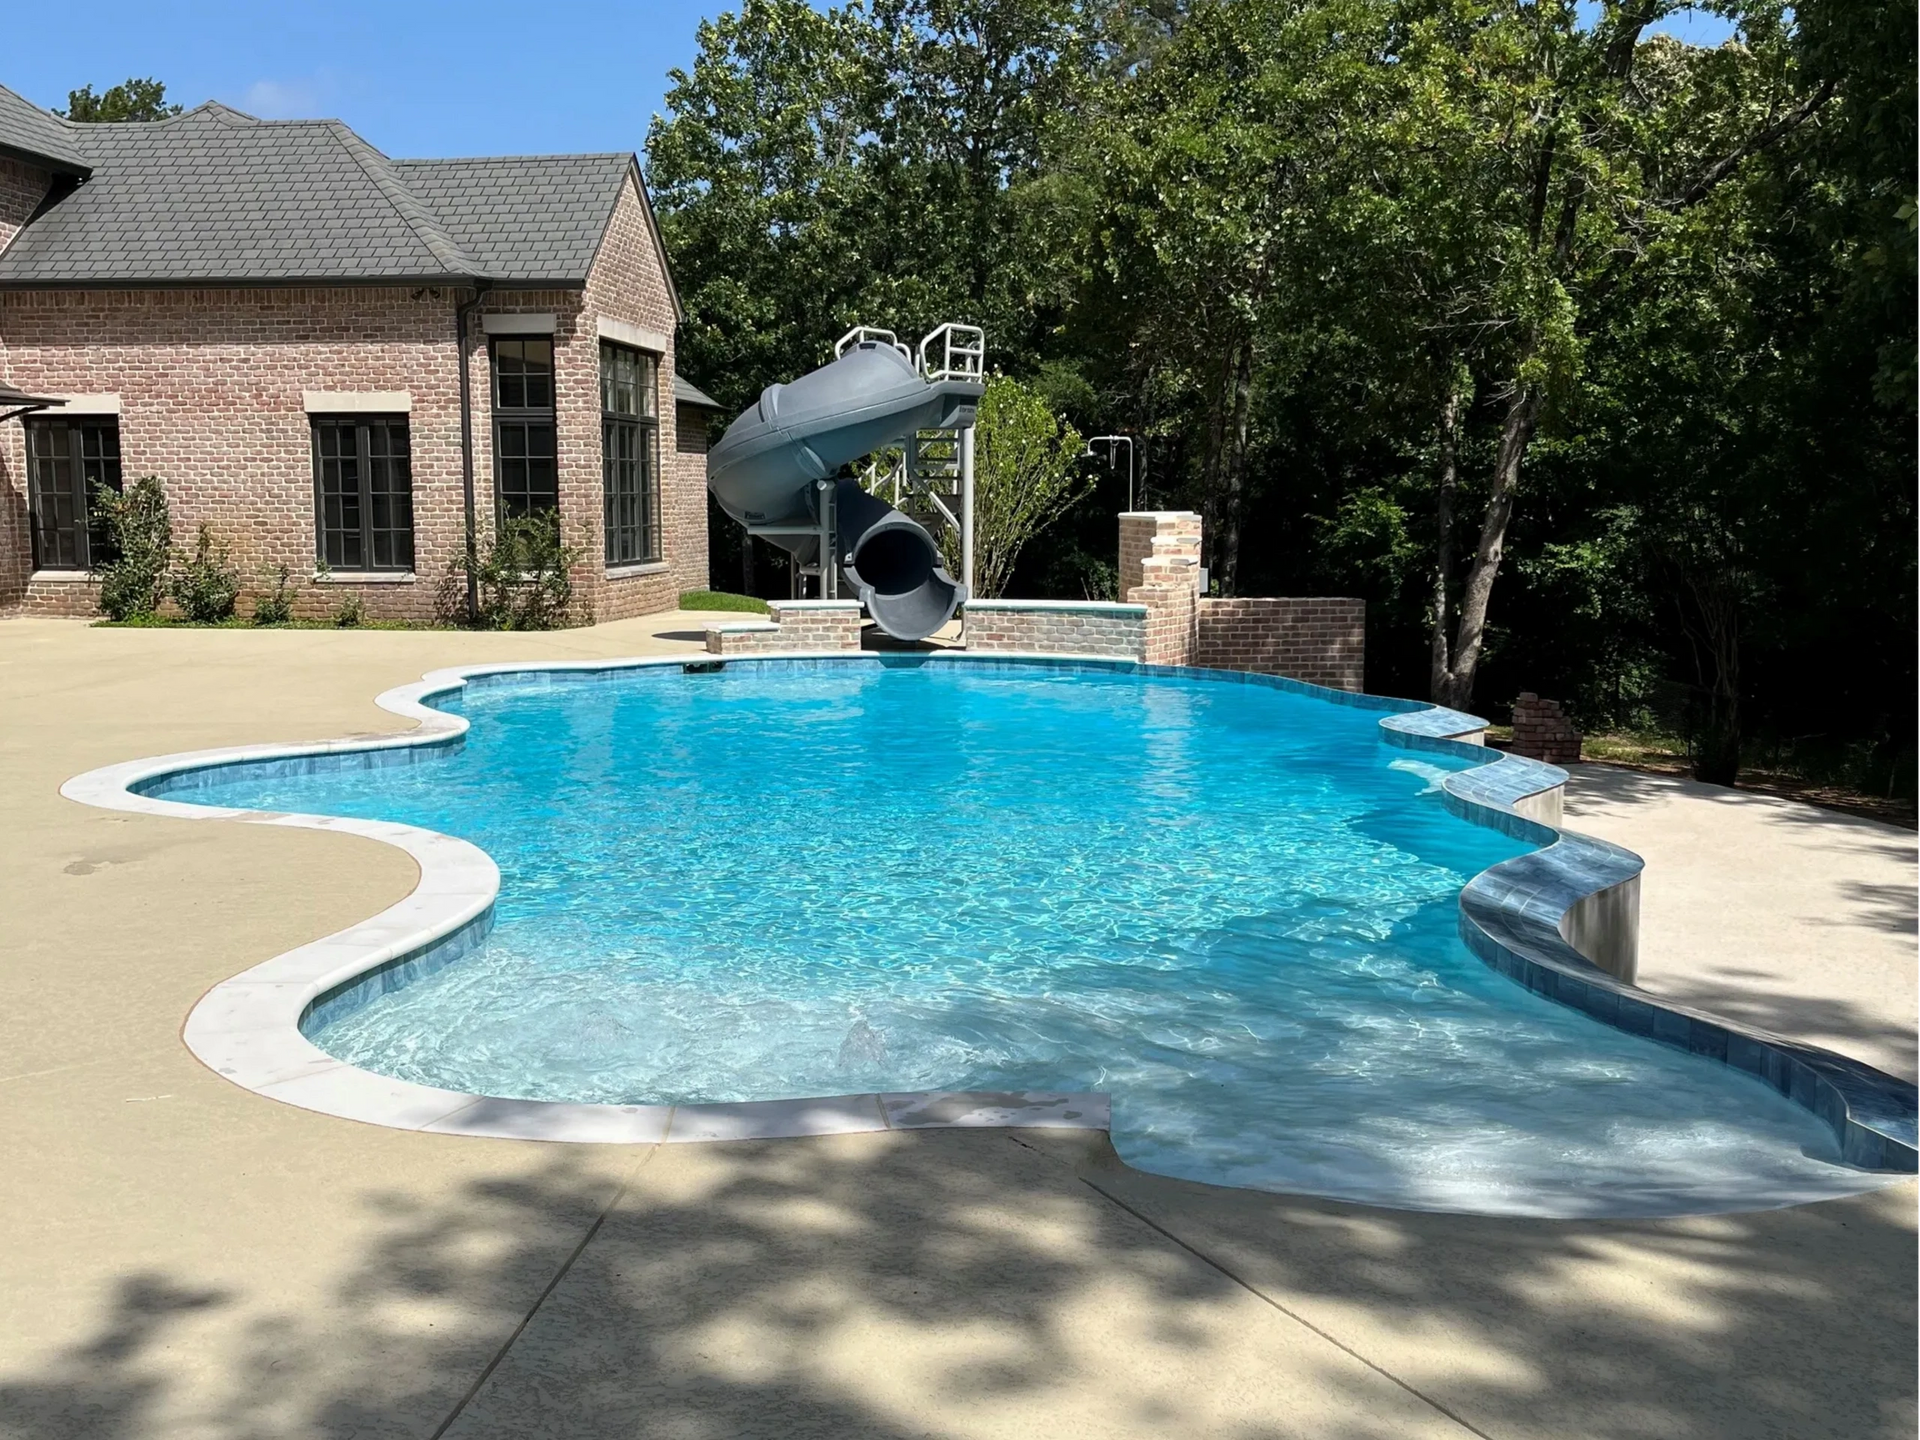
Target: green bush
x,y
275,606
525,577
139,530
206,586
351,612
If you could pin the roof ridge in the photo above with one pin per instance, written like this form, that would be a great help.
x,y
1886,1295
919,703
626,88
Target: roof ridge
x,y
496,159
407,205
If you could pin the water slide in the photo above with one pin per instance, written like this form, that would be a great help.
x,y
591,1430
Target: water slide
x,y
777,472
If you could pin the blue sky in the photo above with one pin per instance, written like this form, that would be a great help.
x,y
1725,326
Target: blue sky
x,y
413,77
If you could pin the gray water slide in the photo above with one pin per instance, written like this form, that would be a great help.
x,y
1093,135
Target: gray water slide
x,y
766,473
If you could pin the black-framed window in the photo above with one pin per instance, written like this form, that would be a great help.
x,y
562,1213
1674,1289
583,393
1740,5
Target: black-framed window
x,y
526,467
629,454
66,459
363,492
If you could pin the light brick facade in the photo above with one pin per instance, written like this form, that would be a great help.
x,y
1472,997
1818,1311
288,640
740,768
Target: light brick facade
x,y
210,385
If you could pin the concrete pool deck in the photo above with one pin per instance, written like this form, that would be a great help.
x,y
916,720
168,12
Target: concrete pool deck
x,y
189,1259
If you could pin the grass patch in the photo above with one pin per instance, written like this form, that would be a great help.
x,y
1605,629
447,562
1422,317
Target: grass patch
x,y
722,600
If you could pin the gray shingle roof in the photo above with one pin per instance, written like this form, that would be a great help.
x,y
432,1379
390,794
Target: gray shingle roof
x,y
685,392
523,217
30,132
215,196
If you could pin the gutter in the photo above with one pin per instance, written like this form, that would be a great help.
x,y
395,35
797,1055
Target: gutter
x,y
460,317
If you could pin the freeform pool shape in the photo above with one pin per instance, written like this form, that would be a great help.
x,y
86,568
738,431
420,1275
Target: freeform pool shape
x,y
1229,906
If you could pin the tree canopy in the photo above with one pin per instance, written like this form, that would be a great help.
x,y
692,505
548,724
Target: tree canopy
x,y
129,100
1585,354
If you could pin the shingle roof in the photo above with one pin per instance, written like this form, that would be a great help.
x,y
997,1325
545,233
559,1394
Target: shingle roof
x,y
215,196
28,131
523,217
685,392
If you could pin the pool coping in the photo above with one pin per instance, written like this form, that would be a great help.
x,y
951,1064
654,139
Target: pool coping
x,y
1544,919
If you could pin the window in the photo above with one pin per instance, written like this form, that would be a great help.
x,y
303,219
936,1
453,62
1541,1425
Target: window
x,y
526,472
66,459
363,491
629,454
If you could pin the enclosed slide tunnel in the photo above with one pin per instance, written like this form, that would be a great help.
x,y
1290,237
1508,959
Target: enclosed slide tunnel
x,y
767,473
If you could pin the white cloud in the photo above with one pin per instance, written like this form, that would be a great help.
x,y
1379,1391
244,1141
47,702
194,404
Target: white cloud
x,y
285,99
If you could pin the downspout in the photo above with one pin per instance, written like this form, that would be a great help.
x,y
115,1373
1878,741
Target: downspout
x,y
466,447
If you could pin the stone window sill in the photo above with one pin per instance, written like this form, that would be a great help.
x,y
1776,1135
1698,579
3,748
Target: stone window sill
x,y
61,577
624,572
364,577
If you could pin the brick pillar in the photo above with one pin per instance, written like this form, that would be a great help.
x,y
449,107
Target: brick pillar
x,y
1160,569
1542,732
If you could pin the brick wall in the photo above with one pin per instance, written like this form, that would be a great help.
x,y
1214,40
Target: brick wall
x,y
1319,640
22,188
210,385
1541,731
627,283
1057,627
794,625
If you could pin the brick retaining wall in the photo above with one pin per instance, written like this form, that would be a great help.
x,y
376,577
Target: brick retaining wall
x,y
1057,627
1319,640
793,625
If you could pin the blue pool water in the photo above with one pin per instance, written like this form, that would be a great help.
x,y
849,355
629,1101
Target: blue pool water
x,y
1231,907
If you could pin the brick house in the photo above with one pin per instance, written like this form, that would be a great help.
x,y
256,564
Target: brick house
x,y
272,317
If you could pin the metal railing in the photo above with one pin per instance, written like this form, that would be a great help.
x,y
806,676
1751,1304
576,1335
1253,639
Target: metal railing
x,y
870,335
959,350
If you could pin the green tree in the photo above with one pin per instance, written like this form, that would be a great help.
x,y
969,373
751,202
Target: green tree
x,y
129,100
1028,471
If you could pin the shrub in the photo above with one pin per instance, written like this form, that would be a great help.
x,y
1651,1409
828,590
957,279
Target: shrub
x,y
351,612
206,586
275,606
525,577
139,531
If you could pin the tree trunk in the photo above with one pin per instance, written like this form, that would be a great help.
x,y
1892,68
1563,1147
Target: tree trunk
x,y
1516,431
1441,672
1715,636
1210,466
1232,499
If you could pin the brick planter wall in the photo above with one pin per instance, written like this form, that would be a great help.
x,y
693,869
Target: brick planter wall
x,y
1542,732
795,625
1319,640
1057,627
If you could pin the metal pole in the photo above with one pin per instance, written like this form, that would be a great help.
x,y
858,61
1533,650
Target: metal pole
x,y
829,570
966,508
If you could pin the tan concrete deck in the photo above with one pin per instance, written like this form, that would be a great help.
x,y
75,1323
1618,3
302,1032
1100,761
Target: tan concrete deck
x,y
187,1259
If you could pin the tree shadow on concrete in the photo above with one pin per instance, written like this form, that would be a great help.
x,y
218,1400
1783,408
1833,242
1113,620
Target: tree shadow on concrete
x,y
876,1286
963,1283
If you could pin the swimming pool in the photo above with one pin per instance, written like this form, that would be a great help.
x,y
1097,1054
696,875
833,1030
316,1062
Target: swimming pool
x,y
1230,907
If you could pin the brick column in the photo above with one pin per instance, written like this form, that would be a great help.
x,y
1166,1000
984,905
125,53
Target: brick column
x,y
1160,569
